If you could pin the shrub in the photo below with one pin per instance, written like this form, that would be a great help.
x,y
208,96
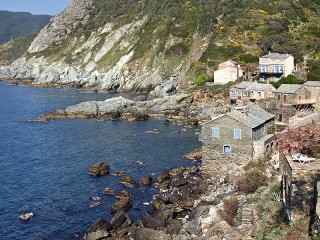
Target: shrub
x,y
230,209
314,71
201,80
178,49
287,80
251,180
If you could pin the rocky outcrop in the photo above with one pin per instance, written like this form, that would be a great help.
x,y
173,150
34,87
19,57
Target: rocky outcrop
x,y
61,25
99,169
125,109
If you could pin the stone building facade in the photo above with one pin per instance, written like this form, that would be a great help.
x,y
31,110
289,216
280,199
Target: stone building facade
x,y
273,66
230,140
300,186
251,91
288,100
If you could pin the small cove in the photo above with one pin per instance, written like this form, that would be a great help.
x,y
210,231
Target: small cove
x,y
44,165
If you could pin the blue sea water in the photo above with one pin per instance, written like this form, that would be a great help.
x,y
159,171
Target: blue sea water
x,y
43,166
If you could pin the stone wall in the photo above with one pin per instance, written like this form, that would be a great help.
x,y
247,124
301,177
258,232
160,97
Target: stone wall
x,y
215,161
298,189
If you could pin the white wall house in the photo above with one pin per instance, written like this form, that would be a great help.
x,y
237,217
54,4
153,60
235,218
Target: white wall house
x,y
273,66
228,71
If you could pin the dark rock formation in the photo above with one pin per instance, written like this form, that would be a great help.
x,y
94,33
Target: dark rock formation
x,y
148,234
127,181
98,230
152,222
173,226
119,219
146,181
99,169
122,204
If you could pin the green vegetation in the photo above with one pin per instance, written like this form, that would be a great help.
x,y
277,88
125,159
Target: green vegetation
x,y
314,70
13,50
198,35
201,80
287,80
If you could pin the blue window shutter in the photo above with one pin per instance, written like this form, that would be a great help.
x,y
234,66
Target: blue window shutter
x,y
215,132
237,133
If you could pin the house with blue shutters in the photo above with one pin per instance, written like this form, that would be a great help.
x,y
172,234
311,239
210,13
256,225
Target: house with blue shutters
x,y
274,66
235,138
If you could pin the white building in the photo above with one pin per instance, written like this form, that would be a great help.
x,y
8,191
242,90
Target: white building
x,y
228,71
275,65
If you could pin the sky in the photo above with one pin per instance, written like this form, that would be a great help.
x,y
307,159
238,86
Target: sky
x,y
50,7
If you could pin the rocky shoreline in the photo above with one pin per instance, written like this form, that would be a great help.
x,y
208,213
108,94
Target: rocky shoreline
x,y
188,206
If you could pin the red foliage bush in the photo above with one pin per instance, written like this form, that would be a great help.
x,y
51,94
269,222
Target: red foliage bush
x,y
305,139
230,209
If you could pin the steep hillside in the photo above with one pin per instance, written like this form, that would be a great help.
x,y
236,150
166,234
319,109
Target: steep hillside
x,y
132,45
19,24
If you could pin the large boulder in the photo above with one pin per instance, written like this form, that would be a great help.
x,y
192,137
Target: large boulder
x,y
146,181
122,204
99,169
173,226
119,219
148,234
127,181
87,108
164,176
98,230
193,228
152,222
164,212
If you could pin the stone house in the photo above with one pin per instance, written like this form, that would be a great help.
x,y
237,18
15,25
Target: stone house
x,y
227,71
300,186
273,66
288,100
235,138
251,91
314,88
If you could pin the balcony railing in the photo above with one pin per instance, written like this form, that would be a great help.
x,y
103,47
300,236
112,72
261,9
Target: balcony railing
x,y
304,101
271,69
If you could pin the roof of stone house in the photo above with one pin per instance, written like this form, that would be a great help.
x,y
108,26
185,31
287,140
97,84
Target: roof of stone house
x,y
252,116
244,84
246,118
288,88
258,86
253,86
276,56
259,112
312,84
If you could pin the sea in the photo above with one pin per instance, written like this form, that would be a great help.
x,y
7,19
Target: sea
x,y
44,166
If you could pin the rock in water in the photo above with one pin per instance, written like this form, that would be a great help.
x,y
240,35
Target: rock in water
x,y
26,216
119,219
99,169
127,181
122,204
98,230
146,181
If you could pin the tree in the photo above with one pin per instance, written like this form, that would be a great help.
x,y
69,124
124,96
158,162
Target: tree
x,y
305,139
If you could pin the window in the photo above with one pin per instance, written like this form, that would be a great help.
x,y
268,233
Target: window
x,y
237,133
215,132
284,97
227,149
279,97
259,94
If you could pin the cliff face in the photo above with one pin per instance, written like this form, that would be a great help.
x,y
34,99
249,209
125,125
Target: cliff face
x,y
131,45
